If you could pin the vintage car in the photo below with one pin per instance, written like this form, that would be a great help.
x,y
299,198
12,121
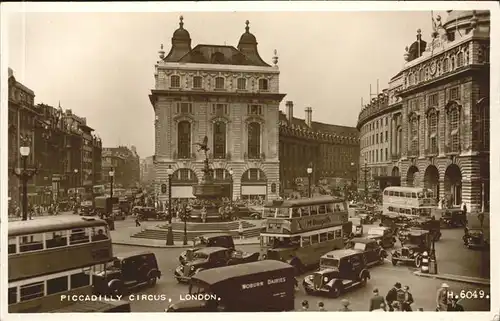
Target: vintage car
x,y
414,245
429,224
150,213
212,257
357,226
125,272
475,238
340,271
372,252
208,240
383,235
366,218
453,217
246,212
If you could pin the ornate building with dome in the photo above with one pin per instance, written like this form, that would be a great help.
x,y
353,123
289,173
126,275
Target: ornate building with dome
x,y
229,95
437,115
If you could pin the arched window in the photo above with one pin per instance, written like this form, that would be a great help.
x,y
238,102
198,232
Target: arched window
x,y
220,140
184,139
273,188
242,83
432,121
219,83
485,126
413,135
197,82
175,81
454,129
263,84
254,140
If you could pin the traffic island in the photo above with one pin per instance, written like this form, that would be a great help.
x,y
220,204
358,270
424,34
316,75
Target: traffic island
x,y
455,278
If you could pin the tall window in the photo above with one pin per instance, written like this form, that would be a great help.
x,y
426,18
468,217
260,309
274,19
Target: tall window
x,y
454,125
184,139
219,140
254,109
446,65
175,81
414,134
219,83
197,82
220,109
253,140
184,108
460,59
432,100
263,84
485,126
433,131
454,93
242,83
399,140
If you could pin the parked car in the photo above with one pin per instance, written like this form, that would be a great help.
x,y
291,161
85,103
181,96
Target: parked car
x,y
372,252
212,257
416,243
383,235
475,238
126,272
340,271
208,240
150,213
357,226
453,218
246,212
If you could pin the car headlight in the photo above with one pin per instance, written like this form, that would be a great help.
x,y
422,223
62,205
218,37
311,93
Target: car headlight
x,y
192,268
325,279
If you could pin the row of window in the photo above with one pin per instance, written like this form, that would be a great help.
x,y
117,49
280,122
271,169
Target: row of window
x,y
419,195
44,241
302,241
410,211
55,284
307,210
373,156
442,66
375,125
220,83
375,139
218,109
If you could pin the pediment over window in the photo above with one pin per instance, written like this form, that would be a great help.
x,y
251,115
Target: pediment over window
x,y
452,104
431,111
219,119
180,118
254,119
412,116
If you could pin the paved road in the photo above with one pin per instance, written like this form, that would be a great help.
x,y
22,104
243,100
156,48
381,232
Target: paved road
x,y
383,278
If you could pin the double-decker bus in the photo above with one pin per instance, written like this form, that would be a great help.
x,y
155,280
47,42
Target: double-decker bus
x,y
301,231
52,258
408,201
98,190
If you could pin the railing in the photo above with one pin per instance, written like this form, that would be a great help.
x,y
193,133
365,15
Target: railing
x,y
261,156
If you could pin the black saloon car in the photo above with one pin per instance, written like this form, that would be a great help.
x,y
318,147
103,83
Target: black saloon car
x,y
212,257
126,272
208,240
372,252
383,235
340,271
475,239
416,242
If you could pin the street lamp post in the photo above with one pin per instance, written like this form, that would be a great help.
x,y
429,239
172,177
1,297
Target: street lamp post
x,y
365,172
170,233
185,241
309,177
111,181
231,189
76,184
24,176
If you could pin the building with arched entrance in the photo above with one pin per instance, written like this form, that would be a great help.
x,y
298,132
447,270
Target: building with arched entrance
x,y
227,94
440,138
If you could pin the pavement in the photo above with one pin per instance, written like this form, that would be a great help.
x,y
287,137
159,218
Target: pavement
x,y
383,277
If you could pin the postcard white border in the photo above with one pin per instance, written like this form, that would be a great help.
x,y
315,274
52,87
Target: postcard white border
x,y
261,6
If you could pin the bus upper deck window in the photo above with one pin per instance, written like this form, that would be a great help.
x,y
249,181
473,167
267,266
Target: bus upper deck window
x,y
322,209
391,193
413,195
314,210
420,195
386,192
305,211
295,212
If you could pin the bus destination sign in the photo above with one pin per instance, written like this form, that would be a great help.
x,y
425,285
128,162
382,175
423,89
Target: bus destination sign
x,y
310,223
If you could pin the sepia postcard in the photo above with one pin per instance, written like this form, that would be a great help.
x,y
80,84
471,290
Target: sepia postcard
x,y
249,157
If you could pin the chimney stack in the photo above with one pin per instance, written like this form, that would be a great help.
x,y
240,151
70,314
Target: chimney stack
x,y
289,111
308,111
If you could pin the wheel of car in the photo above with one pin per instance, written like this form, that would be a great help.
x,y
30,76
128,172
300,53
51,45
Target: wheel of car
x,y
116,289
335,291
152,281
382,257
394,262
418,261
234,218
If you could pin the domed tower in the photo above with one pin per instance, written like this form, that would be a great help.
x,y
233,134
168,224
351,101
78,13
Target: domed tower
x,y
461,22
248,46
181,43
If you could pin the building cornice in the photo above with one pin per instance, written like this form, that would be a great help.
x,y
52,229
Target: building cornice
x,y
216,68
378,113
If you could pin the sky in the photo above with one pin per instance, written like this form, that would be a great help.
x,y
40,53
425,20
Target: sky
x,y
101,65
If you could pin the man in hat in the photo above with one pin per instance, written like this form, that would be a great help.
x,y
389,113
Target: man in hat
x,y
442,298
305,305
392,295
376,300
345,306
321,306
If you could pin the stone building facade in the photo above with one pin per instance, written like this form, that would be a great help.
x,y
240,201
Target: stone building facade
x,y
443,121
125,163
227,94
332,151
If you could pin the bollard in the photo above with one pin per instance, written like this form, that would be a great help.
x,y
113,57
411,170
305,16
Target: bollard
x,y
432,266
424,267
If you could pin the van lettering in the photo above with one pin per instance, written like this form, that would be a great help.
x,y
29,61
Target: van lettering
x,y
252,285
275,281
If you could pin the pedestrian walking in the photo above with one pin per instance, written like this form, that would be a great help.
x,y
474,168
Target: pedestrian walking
x,y
321,306
305,305
376,300
137,222
240,230
392,295
204,214
442,298
408,299
345,306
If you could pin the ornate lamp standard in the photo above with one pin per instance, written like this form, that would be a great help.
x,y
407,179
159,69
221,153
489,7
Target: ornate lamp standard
x,y
185,218
231,189
170,233
111,181
25,175
76,183
309,177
